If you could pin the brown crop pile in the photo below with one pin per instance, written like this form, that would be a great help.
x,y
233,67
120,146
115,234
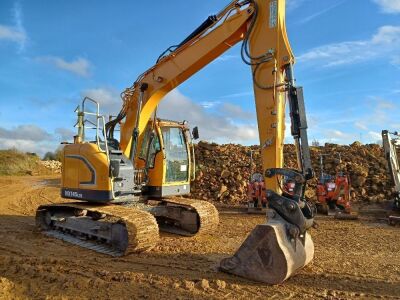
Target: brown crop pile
x,y
223,171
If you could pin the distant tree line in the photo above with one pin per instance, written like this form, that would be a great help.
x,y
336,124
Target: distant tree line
x,y
56,155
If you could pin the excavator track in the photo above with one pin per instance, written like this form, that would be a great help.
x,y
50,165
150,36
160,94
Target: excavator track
x,y
207,212
189,216
112,230
118,230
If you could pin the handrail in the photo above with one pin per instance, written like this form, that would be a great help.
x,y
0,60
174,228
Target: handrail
x,y
96,124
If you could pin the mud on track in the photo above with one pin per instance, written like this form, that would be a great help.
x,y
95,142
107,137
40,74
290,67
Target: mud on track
x,y
353,259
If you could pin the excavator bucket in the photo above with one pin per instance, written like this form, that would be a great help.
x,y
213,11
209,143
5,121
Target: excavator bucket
x,y
269,254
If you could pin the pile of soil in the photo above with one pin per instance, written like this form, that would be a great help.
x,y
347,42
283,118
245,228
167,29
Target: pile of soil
x,y
223,171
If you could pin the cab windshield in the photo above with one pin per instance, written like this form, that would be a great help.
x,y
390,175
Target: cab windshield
x,y
176,154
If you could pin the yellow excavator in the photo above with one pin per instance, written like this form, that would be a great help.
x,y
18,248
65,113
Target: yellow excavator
x,y
128,188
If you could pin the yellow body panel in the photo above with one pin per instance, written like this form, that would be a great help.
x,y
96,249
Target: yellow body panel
x,y
98,160
71,167
85,167
157,174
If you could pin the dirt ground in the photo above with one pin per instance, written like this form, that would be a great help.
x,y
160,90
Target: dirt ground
x,y
353,259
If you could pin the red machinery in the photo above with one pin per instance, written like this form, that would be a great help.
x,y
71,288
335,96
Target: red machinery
x,y
256,194
333,193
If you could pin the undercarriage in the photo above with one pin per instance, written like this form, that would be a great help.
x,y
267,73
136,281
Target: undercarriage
x,y
125,228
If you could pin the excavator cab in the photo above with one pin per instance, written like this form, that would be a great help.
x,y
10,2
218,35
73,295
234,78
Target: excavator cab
x,y
166,155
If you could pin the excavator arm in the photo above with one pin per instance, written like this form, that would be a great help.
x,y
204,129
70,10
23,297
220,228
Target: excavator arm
x,y
260,24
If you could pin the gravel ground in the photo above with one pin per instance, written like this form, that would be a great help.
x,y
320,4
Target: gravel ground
x,y
353,259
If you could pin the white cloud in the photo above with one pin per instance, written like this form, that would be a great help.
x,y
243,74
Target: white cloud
x,y
18,20
238,95
11,34
15,33
395,61
389,6
233,111
226,57
375,136
109,100
27,138
360,125
26,146
64,134
319,13
383,103
372,115
384,43
210,104
387,35
293,4
80,66
336,134
379,111
212,126
25,132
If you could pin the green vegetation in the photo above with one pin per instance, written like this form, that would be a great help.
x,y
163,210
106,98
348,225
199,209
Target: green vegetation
x,y
56,155
14,162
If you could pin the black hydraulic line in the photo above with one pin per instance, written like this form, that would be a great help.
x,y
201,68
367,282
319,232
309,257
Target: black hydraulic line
x,y
207,23
292,174
169,50
135,134
110,125
299,125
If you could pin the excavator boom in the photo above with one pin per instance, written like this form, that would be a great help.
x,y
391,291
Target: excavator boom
x,y
260,25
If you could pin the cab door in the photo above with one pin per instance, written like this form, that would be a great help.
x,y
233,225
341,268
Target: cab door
x,y
176,155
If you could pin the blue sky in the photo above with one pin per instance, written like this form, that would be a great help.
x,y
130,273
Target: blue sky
x,y
53,53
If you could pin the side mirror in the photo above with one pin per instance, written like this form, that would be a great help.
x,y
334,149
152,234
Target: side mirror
x,y
195,133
